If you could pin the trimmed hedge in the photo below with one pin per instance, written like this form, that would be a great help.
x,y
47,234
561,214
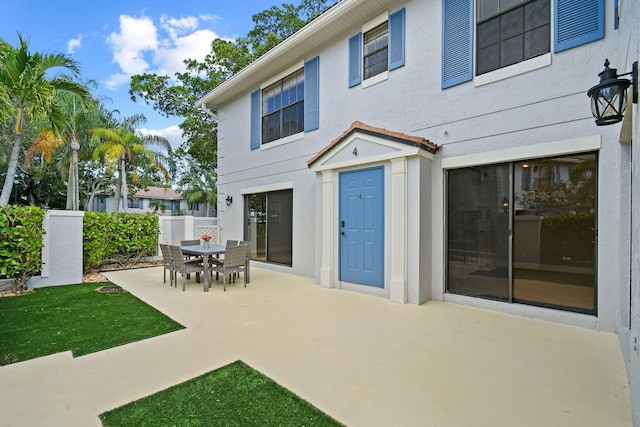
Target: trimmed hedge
x,y
21,243
119,237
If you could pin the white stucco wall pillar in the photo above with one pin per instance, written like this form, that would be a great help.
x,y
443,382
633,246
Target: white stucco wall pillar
x,y
326,231
398,246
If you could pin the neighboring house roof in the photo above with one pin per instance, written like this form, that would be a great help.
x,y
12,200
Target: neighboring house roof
x,y
415,141
158,193
329,26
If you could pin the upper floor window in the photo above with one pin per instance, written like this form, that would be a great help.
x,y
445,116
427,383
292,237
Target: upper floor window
x,y
283,108
286,106
376,47
511,31
512,36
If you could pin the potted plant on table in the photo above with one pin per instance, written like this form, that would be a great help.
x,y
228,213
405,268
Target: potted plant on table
x,y
207,240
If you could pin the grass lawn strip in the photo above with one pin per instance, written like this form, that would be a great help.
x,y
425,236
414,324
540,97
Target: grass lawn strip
x,y
77,318
234,395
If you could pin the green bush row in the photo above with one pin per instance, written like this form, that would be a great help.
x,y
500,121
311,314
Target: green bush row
x,y
120,237
21,243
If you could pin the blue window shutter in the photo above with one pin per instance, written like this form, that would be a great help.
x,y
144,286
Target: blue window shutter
x,y
396,39
457,42
312,94
255,119
355,60
577,22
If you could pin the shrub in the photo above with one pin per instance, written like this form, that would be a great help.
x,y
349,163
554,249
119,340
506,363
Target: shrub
x,y
120,237
21,243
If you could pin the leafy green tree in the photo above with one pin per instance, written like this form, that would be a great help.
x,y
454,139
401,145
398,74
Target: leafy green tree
x,y
225,59
30,93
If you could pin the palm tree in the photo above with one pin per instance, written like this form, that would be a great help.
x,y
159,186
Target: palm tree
x,y
29,92
202,189
157,205
81,116
122,145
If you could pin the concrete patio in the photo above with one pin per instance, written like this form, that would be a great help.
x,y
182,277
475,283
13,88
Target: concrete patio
x,y
363,360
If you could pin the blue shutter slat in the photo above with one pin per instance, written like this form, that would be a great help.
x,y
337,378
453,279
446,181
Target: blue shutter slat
x,y
457,42
577,22
396,39
312,94
355,60
255,119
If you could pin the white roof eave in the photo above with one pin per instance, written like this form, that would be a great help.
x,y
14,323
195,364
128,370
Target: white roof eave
x,y
332,23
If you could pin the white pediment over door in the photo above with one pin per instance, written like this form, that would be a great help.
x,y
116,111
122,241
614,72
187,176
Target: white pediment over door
x,y
362,144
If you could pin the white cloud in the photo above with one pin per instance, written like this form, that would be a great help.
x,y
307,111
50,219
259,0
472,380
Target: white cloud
x,y
173,134
114,81
140,46
73,44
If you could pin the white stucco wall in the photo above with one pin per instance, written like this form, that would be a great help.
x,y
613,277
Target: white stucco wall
x,y
539,113
62,250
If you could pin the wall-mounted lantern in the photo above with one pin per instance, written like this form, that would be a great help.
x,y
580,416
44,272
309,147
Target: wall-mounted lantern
x,y
609,97
229,200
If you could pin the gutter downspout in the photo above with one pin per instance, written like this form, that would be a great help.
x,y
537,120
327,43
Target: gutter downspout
x,y
210,113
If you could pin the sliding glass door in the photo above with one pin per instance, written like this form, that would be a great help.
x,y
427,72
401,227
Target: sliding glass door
x,y
269,226
478,224
548,208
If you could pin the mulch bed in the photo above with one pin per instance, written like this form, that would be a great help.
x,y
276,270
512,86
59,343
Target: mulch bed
x,y
93,277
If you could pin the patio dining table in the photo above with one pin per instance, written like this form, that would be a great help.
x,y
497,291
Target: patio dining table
x,y
206,253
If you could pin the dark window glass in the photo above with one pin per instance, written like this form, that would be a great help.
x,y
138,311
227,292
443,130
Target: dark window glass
x,y
269,219
376,56
281,103
477,225
554,233
513,33
551,210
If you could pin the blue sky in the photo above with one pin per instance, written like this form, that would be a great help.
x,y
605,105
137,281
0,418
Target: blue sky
x,y
112,40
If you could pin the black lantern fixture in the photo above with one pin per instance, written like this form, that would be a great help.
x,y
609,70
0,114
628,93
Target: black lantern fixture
x,y
229,200
609,97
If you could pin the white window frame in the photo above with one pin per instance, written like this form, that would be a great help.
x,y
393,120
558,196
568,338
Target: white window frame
x,y
290,138
523,67
380,19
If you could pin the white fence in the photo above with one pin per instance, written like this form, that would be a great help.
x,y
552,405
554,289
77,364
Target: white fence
x,y
62,252
173,229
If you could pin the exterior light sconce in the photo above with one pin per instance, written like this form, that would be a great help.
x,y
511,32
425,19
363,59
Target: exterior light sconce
x,y
229,200
609,97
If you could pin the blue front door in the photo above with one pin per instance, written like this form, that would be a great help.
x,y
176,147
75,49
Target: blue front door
x,y
361,227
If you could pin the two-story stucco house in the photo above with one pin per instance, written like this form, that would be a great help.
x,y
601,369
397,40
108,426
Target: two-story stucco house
x,y
444,150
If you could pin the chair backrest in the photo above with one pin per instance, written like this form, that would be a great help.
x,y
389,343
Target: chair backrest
x,y
190,242
177,255
232,243
247,243
235,256
166,253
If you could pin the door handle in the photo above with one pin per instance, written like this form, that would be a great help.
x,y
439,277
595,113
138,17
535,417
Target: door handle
x,y
342,224
342,233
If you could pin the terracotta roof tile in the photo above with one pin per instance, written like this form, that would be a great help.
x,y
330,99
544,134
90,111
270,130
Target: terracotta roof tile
x,y
358,126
